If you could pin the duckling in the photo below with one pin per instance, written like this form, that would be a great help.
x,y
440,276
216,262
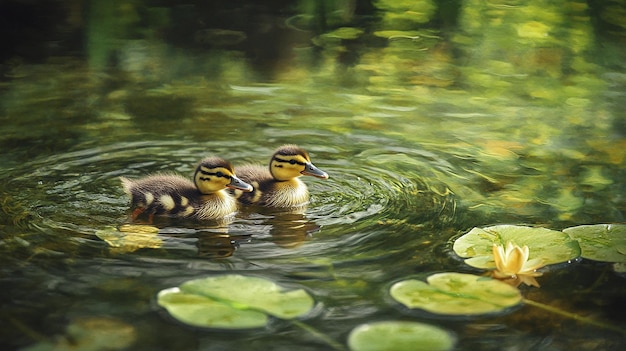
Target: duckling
x,y
176,196
279,185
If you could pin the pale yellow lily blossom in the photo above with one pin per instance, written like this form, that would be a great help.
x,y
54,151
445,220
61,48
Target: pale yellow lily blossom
x,y
513,266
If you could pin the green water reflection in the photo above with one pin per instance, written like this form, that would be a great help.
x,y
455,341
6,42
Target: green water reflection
x,y
470,114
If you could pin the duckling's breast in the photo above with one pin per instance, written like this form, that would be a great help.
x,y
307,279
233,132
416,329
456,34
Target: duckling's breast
x,y
291,193
268,191
215,206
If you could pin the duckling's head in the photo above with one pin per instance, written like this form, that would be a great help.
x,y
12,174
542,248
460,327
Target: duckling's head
x,y
214,174
290,161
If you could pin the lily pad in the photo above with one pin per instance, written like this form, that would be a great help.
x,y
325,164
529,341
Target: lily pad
x,y
456,294
601,242
233,302
548,245
201,311
399,336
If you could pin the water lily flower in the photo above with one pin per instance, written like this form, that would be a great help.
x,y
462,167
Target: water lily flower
x,y
513,266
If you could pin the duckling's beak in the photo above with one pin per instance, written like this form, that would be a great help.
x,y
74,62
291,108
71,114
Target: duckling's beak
x,y
311,170
236,183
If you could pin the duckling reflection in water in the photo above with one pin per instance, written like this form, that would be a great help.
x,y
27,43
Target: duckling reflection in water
x,y
215,245
290,230
175,196
279,185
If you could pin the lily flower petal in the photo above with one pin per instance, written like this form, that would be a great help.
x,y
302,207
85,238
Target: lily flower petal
x,y
499,257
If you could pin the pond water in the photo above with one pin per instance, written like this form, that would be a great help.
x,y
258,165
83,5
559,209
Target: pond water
x,y
423,139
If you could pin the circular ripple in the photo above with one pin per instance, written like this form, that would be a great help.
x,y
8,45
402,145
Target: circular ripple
x,y
78,193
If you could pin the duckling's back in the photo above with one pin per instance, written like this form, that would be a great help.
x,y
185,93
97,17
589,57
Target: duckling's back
x,y
169,195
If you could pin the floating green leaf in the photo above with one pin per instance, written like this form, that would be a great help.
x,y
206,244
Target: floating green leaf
x,y
456,294
399,336
131,237
601,242
550,246
233,302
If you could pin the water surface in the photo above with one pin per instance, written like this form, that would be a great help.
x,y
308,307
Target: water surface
x,y
413,163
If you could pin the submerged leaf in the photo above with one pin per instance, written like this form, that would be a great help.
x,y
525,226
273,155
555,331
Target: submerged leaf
x,y
399,336
93,334
601,242
102,333
545,245
456,294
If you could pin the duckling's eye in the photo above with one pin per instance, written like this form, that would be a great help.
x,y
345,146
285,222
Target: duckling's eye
x,y
292,161
219,174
